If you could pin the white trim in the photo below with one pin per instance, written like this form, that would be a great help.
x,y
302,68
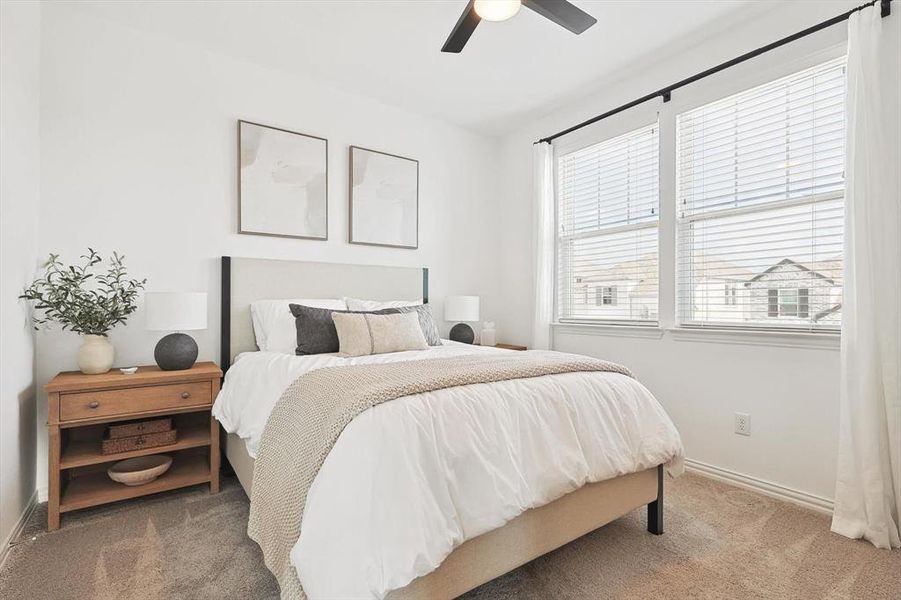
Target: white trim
x,y
603,231
619,125
785,339
710,335
767,488
605,329
43,494
18,527
764,207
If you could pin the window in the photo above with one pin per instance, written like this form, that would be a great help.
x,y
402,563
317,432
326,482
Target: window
x,y
760,205
731,294
607,215
605,296
788,303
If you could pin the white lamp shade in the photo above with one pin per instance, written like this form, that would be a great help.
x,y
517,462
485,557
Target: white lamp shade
x,y
175,311
461,308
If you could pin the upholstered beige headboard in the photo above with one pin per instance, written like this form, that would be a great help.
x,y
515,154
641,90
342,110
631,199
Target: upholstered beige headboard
x,y
245,280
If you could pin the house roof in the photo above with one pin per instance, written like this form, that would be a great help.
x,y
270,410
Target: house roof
x,y
644,269
787,262
825,313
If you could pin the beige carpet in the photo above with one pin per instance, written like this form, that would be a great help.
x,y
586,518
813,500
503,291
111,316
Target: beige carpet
x,y
721,542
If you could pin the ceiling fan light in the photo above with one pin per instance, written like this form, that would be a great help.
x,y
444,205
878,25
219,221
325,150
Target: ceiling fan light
x,y
496,10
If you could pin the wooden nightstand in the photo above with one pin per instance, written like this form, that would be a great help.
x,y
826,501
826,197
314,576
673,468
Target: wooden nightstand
x,y
510,347
79,409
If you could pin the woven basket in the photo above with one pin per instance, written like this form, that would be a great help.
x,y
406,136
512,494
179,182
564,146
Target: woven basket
x,y
138,442
133,428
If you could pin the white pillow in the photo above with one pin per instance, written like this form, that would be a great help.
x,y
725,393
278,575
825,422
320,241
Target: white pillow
x,y
273,323
371,305
361,334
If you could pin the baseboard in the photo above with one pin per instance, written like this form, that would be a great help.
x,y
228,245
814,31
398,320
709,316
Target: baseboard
x,y
43,494
767,488
18,527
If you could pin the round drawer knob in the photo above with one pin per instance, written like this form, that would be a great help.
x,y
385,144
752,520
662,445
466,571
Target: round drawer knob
x,y
94,404
185,395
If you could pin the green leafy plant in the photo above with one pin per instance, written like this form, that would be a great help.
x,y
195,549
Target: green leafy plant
x,y
82,298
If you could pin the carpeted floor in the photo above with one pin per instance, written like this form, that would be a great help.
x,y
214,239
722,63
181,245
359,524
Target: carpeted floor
x,y
721,542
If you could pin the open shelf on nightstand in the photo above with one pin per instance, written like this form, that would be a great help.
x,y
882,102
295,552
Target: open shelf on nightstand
x,y
97,488
82,453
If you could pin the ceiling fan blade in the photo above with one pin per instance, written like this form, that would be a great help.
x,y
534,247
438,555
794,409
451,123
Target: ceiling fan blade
x,y
466,24
562,13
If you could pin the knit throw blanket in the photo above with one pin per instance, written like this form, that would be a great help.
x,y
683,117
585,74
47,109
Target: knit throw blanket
x,y
307,420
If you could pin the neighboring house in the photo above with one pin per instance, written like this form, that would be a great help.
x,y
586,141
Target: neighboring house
x,y
791,291
725,292
719,294
626,291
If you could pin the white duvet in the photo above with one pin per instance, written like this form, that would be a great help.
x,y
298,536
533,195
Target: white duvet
x,y
411,479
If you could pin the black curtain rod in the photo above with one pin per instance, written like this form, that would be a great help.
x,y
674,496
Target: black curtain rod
x,y
665,92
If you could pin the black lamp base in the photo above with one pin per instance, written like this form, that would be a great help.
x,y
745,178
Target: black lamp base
x,y
461,332
175,352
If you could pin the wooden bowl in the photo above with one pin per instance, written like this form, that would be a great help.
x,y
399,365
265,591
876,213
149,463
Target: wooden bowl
x,y
140,470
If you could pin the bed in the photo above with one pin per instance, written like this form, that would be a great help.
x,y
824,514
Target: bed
x,y
479,539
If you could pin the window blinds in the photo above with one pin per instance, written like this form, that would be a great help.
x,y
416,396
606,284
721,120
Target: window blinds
x,y
607,215
760,179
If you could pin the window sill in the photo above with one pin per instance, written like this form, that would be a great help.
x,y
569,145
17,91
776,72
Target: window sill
x,y
785,339
635,331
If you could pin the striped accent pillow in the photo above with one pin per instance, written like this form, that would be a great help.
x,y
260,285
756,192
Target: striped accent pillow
x,y
426,321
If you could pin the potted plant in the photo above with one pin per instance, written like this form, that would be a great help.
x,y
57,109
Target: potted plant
x,y
87,300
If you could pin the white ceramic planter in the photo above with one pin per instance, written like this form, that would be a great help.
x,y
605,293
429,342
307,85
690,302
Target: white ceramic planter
x,y
95,355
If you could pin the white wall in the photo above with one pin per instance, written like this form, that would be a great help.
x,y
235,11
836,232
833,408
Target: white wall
x,y
19,190
139,151
791,393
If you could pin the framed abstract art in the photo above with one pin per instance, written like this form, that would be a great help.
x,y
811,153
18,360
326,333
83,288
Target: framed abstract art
x,y
384,199
282,182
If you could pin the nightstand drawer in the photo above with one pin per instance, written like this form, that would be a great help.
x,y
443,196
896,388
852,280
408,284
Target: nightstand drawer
x,y
90,405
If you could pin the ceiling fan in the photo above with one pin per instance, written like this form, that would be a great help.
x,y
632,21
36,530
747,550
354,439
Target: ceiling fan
x,y
561,12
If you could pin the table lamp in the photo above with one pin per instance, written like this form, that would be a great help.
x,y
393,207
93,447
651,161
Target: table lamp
x,y
462,308
175,311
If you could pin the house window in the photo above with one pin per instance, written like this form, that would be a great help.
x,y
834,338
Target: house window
x,y
605,295
731,294
760,195
788,302
607,216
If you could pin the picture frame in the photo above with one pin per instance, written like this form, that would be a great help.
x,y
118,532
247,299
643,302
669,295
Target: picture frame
x,y
383,194
282,182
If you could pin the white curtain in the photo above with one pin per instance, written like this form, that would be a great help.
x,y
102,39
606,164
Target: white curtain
x,y
868,482
542,244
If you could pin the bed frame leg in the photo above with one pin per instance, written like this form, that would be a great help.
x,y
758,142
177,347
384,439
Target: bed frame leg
x,y
655,508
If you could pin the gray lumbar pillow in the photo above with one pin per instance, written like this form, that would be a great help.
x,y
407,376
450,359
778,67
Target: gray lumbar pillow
x,y
316,333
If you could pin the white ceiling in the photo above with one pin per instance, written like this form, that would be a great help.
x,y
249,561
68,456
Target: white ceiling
x,y
389,49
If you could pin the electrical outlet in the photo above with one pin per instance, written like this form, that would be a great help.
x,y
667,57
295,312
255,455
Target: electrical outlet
x,y
742,423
